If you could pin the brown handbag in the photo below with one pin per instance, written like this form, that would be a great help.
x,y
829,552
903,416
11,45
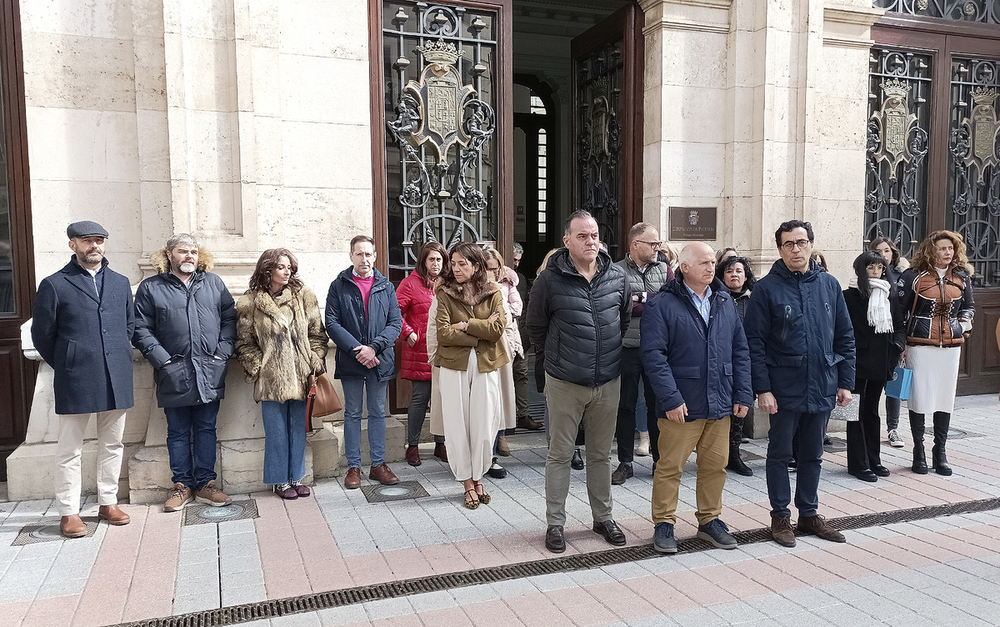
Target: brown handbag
x,y
323,399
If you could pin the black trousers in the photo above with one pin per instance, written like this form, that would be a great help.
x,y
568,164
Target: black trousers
x,y
863,435
632,372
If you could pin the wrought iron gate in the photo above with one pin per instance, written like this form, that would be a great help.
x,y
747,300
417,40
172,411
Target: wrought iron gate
x,y
440,108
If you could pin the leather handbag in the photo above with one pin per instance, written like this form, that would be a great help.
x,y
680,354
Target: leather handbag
x,y
323,399
899,386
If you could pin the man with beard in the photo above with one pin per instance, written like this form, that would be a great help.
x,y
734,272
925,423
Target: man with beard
x,y
185,325
83,320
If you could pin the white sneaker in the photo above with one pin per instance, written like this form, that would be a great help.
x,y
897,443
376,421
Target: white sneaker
x,y
895,440
642,449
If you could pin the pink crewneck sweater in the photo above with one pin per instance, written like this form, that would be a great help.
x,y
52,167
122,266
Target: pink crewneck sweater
x,y
365,285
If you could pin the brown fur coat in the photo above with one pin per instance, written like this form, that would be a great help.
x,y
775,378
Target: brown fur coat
x,y
161,264
280,341
474,307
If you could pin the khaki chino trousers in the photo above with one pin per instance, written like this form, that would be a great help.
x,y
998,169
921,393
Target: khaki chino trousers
x,y
677,442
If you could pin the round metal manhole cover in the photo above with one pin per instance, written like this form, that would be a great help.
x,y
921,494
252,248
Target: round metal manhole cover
x,y
47,532
221,513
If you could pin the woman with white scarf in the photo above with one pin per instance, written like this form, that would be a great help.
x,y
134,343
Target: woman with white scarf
x,y
878,340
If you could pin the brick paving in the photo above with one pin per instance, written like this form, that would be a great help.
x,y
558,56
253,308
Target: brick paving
x,y
926,572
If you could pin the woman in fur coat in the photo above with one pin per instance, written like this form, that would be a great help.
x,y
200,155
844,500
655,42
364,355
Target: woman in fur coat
x,y
507,280
280,341
470,320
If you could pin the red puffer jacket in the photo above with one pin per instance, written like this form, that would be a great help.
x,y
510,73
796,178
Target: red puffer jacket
x,y
414,301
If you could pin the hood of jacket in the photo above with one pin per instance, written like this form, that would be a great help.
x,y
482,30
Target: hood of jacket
x,y
562,263
465,293
162,264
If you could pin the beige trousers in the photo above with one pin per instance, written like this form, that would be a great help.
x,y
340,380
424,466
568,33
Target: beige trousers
x,y
677,442
110,427
470,410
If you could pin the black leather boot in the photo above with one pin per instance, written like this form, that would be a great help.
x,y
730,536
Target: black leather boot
x,y
919,457
736,464
938,459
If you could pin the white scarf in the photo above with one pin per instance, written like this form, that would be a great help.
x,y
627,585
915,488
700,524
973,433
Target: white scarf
x,y
879,314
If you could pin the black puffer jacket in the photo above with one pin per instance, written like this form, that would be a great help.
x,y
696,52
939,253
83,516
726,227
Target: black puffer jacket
x,y
579,325
193,327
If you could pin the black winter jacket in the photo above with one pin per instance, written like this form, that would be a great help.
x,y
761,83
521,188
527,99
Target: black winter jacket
x,y
194,328
877,353
579,325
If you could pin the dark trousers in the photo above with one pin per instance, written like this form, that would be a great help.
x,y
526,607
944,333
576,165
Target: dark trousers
x,y
863,434
191,442
417,412
520,368
632,372
807,429
891,412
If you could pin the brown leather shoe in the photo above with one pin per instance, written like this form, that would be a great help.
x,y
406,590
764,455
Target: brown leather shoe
x,y
413,456
781,530
503,450
353,478
527,422
113,515
441,452
383,475
72,526
818,526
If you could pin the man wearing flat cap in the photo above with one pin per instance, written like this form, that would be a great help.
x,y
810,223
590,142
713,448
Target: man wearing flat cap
x,y
82,327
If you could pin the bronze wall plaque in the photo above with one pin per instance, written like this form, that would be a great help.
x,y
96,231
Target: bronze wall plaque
x,y
692,224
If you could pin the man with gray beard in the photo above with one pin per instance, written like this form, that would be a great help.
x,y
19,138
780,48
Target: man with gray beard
x,y
185,325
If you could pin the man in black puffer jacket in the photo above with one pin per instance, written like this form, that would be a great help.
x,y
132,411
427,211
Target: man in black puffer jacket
x,y
185,325
578,313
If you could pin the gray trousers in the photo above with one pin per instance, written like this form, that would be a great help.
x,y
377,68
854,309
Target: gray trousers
x,y
597,408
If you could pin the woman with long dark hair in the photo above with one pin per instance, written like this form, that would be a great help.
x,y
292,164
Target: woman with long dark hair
x,y
280,341
470,321
737,274
895,265
415,294
936,294
878,341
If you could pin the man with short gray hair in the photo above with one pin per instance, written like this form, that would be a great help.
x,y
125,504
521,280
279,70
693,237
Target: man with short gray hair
x,y
185,326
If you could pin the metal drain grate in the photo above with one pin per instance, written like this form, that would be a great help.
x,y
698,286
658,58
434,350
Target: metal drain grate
x,y
402,491
198,514
48,532
433,583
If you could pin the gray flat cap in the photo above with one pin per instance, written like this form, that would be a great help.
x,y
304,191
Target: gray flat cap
x,y
86,228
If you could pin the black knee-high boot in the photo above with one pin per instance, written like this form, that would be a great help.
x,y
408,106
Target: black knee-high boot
x,y
941,422
917,430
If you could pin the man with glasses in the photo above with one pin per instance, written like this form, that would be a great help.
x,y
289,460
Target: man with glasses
x,y
802,355
646,275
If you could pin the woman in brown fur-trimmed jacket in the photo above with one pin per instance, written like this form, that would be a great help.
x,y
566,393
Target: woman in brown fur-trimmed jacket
x,y
936,295
280,341
470,321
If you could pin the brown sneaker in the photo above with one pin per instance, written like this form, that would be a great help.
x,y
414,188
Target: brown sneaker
x,y
383,475
781,530
211,495
817,525
353,478
179,497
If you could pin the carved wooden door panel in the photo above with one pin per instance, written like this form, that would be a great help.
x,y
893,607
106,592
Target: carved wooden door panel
x,y
607,124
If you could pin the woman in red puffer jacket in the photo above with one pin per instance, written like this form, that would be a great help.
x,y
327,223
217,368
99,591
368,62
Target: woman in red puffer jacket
x,y
415,293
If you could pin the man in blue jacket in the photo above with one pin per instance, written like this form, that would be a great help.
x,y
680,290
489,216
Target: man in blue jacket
x,y
695,354
185,325
802,350
82,324
363,319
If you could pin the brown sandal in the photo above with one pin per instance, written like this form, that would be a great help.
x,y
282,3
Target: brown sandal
x,y
483,496
471,503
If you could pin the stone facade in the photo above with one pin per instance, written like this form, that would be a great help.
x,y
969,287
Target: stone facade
x,y
247,122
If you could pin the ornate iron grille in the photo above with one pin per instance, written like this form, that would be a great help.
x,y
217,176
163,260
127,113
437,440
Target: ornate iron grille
x,y
985,11
896,174
599,140
440,106
973,156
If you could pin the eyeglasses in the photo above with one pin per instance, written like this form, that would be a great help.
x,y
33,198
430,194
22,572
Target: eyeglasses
x,y
790,245
651,244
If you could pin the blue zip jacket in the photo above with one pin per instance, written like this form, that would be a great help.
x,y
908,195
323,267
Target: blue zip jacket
x,y
348,328
801,338
706,366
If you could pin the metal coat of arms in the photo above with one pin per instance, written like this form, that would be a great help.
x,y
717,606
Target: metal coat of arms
x,y
894,122
983,128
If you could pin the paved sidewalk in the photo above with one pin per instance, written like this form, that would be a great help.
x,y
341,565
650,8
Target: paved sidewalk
x,y
928,572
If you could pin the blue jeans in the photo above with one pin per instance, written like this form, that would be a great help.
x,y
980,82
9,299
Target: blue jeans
x,y
354,396
191,443
787,426
284,441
